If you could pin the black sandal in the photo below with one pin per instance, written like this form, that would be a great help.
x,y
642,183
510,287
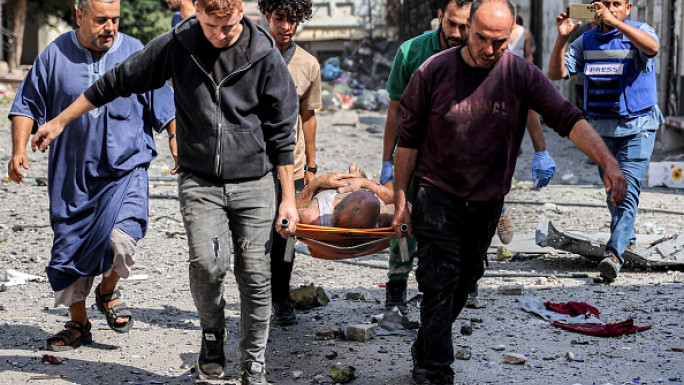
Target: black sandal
x,y
71,342
118,311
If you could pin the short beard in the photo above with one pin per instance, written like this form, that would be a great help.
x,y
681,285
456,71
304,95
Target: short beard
x,y
446,39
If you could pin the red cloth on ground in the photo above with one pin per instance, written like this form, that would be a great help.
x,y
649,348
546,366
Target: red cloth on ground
x,y
598,330
572,308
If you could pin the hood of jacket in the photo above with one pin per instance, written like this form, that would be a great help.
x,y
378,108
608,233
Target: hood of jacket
x,y
189,33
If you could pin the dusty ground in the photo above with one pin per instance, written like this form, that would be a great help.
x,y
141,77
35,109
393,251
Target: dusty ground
x,y
163,348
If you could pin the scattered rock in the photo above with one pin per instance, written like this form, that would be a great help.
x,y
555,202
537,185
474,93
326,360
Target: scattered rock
x,y
331,355
467,329
308,296
342,374
500,348
41,182
464,353
570,356
476,303
514,358
359,294
296,374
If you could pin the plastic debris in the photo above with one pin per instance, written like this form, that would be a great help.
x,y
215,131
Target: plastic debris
x,y
52,360
13,278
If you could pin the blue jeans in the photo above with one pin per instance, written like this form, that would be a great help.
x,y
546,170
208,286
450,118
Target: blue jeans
x,y
633,153
453,236
213,211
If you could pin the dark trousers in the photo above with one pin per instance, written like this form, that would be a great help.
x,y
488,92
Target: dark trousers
x,y
281,270
453,236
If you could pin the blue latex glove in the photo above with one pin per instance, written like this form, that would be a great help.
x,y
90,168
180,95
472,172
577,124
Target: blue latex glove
x,y
543,167
387,173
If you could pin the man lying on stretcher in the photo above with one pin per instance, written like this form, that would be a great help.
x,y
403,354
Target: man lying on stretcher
x,y
347,200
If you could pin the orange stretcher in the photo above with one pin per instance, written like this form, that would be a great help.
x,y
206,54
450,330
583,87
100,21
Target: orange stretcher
x,y
335,243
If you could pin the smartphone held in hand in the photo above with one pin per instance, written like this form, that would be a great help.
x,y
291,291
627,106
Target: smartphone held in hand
x,y
581,11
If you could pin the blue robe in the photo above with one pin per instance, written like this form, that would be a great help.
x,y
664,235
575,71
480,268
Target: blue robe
x,y
97,170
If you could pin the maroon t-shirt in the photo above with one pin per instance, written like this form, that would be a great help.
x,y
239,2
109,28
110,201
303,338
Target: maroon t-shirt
x,y
468,123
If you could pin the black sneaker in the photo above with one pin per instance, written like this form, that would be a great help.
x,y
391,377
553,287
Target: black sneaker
x,y
421,377
609,267
254,373
395,295
284,313
211,358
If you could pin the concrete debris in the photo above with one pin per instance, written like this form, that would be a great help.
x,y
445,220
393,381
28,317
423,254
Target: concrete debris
x,y
361,332
296,374
511,289
392,322
359,294
668,251
346,118
514,358
476,303
308,296
328,333
342,374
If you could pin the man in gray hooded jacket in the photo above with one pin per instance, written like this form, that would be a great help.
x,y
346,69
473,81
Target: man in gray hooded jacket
x,y
236,108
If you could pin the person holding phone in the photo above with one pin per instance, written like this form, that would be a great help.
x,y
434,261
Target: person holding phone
x,y
620,99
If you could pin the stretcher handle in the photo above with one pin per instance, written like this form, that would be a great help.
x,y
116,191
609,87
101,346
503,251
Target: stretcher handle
x,y
289,246
403,243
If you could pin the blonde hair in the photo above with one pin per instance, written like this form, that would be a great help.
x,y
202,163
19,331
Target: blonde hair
x,y
219,8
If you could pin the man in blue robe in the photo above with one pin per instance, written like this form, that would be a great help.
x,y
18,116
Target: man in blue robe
x,y
97,178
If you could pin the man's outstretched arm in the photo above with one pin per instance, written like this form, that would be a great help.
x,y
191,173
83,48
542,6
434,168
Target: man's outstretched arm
x,y
47,133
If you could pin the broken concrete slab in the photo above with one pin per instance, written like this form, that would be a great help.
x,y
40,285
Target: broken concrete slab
x,y
667,251
361,332
328,333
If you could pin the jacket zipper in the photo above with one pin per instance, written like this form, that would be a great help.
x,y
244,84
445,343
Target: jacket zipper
x,y
217,91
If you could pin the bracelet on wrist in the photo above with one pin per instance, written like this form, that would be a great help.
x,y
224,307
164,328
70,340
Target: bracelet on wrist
x,y
172,136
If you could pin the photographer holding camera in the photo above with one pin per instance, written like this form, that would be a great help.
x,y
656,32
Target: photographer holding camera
x,y
620,99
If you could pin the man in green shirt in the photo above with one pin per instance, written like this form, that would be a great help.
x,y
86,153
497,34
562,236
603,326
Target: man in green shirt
x,y
452,16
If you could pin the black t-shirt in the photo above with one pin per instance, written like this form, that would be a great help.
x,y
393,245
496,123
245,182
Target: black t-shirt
x,y
220,62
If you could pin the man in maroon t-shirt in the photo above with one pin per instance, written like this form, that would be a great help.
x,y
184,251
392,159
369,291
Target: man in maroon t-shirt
x,y
464,119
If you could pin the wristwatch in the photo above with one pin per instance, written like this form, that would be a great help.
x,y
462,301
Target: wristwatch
x,y
311,169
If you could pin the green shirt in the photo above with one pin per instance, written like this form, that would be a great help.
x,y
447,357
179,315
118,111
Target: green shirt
x,y
411,54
